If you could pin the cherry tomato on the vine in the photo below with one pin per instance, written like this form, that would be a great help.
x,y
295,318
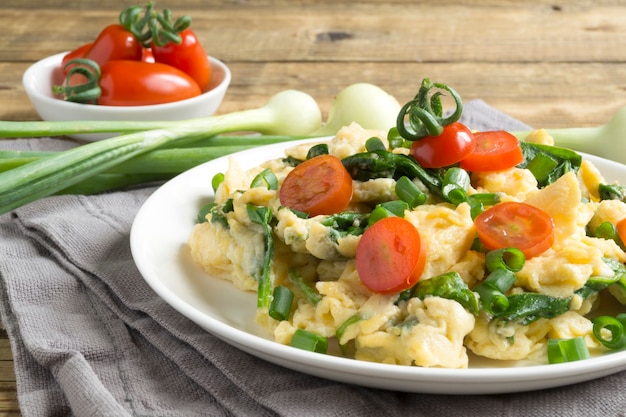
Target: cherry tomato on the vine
x,y
454,144
76,53
114,43
320,185
188,56
495,150
518,225
137,83
390,256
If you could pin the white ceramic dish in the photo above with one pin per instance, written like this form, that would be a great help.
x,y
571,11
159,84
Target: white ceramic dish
x,y
159,247
39,78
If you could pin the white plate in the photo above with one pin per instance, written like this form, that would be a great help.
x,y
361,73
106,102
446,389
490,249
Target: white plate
x,y
159,247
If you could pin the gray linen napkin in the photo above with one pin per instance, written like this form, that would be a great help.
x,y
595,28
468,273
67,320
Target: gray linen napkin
x,y
90,338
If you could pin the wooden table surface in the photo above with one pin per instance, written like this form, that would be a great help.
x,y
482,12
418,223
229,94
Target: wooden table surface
x,y
545,62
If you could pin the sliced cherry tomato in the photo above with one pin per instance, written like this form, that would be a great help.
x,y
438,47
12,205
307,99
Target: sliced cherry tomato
x,y
137,83
320,185
454,144
390,256
495,151
518,225
188,56
114,43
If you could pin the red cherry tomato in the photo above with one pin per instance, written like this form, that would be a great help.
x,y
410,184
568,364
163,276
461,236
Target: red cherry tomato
x,y
76,53
189,56
320,185
454,144
517,225
390,256
495,151
137,83
114,43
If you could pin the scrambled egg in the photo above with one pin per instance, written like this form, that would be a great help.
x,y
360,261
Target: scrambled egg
x,y
429,332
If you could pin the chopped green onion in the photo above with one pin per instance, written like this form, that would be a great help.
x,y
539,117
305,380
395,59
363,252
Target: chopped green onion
x,y
614,326
456,181
374,144
478,202
492,290
265,178
567,350
341,330
606,230
309,292
280,307
202,213
387,209
408,191
308,341
217,180
541,166
317,150
512,259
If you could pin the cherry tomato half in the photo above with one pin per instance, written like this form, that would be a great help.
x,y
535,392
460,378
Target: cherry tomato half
x,y
114,43
137,83
454,144
390,256
188,56
495,151
518,225
320,185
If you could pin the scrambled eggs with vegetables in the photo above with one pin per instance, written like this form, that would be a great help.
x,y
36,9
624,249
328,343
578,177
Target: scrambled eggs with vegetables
x,y
443,314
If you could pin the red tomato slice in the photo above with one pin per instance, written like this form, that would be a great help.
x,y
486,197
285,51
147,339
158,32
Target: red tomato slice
x,y
454,144
320,185
495,151
137,83
517,225
390,256
188,56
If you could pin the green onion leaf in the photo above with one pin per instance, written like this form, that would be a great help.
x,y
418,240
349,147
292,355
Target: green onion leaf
x,y
309,292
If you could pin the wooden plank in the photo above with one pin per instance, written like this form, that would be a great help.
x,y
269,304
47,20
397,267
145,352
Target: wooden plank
x,y
353,32
9,406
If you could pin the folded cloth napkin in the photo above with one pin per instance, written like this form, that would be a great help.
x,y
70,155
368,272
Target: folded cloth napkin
x,y
90,337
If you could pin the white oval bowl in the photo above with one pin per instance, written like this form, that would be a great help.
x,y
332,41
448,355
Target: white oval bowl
x,y
39,78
